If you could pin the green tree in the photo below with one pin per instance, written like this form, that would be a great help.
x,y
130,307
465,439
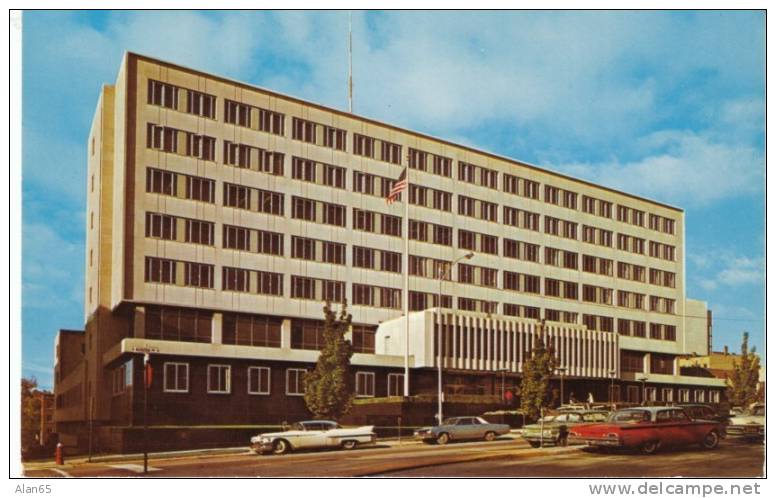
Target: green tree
x,y
744,379
327,392
535,387
30,412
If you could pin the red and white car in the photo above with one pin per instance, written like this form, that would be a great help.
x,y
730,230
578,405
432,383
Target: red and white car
x,y
648,429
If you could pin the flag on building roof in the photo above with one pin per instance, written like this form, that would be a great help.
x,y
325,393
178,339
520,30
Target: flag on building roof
x,y
398,186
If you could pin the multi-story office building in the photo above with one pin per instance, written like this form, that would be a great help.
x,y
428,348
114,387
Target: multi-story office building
x,y
221,216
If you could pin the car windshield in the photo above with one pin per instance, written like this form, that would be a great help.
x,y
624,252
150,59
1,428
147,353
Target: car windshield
x,y
298,427
630,416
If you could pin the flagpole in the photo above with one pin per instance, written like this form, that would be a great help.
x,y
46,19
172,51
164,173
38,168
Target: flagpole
x,y
406,293
350,61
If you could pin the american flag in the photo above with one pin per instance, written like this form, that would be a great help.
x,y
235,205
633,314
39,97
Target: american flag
x,y
399,185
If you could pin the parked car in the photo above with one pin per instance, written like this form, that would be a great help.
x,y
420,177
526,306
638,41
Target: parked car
x,y
704,412
313,434
648,429
553,429
461,428
750,425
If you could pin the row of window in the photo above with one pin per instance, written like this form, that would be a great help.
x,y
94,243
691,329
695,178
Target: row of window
x,y
176,379
239,238
269,202
165,271
245,115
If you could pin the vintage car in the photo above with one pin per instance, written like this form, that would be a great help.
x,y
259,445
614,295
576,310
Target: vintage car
x,y
704,412
553,429
313,434
750,425
461,428
648,429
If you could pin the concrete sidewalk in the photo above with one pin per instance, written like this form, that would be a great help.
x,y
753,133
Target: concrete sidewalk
x,y
238,450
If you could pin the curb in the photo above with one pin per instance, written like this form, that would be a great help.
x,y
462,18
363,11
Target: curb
x,y
527,453
139,456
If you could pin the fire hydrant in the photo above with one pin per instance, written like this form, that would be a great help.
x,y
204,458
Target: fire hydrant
x,y
59,457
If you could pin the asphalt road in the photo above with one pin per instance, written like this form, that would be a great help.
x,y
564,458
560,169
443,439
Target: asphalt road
x,y
506,457
732,458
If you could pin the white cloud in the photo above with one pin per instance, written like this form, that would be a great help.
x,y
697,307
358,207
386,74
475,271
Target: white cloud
x,y
727,270
681,167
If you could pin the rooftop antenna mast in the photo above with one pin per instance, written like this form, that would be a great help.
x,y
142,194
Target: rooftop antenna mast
x,y
350,61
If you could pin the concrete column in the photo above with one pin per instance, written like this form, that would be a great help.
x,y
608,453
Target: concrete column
x,y
218,328
647,363
138,324
180,186
183,99
285,334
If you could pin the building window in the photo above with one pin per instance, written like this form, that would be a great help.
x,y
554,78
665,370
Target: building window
x,y
237,196
333,214
333,176
334,253
178,324
684,395
303,209
159,270
200,189
198,275
161,182
162,94
390,152
161,226
200,232
713,396
333,291
236,238
258,380
237,113
251,330
303,130
270,202
363,145
442,166
390,261
295,381
302,248
363,220
363,339
271,121
700,396
395,384
631,361
219,379
443,235
235,279
176,377
303,169
302,287
363,257
270,243
201,147
365,384
668,394
363,295
390,225
201,104
334,138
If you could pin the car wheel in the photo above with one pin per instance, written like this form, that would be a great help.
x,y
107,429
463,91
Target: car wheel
x,y
348,445
490,436
443,438
281,447
710,441
650,447
534,444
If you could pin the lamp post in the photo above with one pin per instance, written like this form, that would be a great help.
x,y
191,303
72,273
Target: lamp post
x,y
444,269
643,380
561,371
612,374
503,384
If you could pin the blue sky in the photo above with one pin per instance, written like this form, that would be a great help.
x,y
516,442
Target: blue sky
x,y
665,105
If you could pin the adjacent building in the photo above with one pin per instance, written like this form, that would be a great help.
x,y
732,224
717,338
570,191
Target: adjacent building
x,y
220,217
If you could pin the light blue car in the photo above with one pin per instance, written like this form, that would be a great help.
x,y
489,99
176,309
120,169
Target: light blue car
x,y
460,429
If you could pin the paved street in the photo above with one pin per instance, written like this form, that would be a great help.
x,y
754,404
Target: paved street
x,y
730,459
505,457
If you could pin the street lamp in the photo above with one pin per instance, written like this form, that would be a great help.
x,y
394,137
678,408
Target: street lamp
x,y
612,375
442,272
561,371
643,380
503,387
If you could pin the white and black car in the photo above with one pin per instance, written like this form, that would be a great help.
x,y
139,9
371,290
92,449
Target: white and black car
x,y
313,434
